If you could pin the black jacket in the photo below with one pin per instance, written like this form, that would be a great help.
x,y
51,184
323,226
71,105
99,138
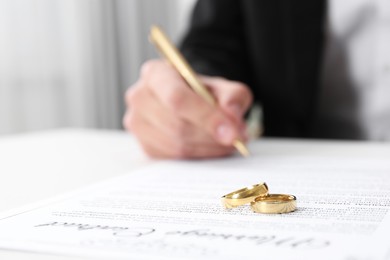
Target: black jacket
x,y
275,46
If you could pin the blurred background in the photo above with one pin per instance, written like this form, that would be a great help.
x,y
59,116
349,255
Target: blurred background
x,y
68,63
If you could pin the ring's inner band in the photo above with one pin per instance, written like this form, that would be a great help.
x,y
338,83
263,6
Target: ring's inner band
x,y
274,203
275,198
244,196
255,190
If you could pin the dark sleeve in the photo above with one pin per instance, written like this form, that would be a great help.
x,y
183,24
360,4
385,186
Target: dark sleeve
x,y
214,44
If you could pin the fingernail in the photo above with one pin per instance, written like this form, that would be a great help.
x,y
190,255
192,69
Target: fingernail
x,y
225,133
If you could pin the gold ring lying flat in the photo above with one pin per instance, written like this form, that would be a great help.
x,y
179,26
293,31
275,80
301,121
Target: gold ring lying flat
x,y
274,203
244,196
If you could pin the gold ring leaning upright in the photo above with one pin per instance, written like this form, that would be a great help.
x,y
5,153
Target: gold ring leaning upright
x,y
244,196
274,204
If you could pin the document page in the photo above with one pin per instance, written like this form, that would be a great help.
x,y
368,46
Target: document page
x,y
173,210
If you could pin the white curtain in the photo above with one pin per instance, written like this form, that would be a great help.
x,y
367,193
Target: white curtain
x,y
67,63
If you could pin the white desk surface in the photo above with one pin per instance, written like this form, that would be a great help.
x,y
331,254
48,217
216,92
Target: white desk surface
x,y
40,165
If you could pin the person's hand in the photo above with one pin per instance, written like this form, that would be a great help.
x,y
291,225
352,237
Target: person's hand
x,y
171,121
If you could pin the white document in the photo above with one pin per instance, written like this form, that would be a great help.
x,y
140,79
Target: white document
x,y
173,210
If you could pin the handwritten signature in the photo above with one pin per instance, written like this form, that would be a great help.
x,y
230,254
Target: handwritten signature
x,y
292,242
117,230
135,232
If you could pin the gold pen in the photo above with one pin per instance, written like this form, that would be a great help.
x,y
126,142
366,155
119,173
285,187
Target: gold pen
x,y
172,54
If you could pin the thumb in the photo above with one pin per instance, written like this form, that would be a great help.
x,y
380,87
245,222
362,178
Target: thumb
x,y
233,97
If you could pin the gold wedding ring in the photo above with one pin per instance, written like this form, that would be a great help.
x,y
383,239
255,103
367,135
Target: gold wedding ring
x,y
274,203
244,196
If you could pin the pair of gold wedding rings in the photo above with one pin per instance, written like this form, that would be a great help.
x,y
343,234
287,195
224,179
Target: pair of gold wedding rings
x,y
260,200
